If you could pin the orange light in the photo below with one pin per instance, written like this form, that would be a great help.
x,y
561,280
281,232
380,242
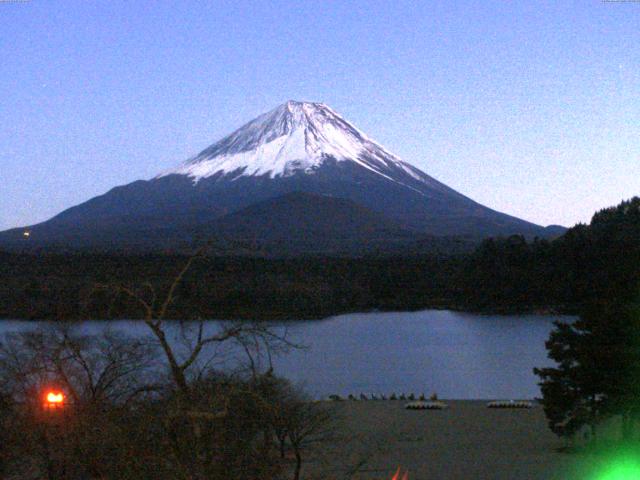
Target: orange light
x,y
397,475
53,397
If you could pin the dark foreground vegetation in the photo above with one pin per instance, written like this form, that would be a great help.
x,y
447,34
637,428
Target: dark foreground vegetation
x,y
138,408
597,358
501,275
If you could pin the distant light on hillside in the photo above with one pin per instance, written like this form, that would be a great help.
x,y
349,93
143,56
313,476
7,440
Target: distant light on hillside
x,y
26,234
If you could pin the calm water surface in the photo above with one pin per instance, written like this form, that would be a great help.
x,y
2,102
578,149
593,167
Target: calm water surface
x,y
457,355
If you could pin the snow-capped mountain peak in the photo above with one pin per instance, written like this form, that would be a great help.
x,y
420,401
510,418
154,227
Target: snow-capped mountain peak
x,y
285,163
294,137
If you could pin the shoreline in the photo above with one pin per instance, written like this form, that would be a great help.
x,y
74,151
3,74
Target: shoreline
x,y
299,317
500,444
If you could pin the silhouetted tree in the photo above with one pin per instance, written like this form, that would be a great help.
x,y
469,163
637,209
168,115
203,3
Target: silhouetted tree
x,y
598,356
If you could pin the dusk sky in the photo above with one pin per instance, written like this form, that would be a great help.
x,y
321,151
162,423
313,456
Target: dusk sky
x,y
529,107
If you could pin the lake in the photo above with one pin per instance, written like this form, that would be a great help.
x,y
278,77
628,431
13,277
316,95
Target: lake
x,y
458,355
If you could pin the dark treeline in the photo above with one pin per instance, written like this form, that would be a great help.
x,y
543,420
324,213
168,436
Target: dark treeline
x,y
501,275
63,286
589,261
597,357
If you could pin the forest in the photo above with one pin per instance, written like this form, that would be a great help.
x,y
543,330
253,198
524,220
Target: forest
x,y
502,275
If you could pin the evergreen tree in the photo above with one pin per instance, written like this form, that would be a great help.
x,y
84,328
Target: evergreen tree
x,y
618,328
598,356
570,395
598,369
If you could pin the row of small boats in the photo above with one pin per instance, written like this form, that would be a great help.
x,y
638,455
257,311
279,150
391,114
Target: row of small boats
x,y
421,403
374,397
438,405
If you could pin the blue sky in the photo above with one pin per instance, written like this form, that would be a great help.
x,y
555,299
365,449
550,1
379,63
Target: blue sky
x,y
531,108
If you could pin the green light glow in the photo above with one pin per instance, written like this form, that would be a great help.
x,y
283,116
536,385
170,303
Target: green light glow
x,y
625,467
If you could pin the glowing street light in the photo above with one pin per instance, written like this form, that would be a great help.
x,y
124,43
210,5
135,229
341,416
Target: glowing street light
x,y
54,400
55,397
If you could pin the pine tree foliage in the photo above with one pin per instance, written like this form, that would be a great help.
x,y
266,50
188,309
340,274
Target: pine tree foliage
x,y
597,373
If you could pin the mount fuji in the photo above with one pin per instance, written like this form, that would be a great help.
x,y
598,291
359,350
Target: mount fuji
x,y
299,178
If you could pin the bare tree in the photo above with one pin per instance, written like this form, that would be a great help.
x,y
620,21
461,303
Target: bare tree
x,y
109,428
200,411
100,375
155,307
298,422
109,367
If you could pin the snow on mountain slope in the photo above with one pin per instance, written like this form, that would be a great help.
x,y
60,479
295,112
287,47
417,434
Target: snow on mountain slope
x,y
294,137
299,147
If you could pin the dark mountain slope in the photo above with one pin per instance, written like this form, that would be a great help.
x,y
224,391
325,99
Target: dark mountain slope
x,y
297,147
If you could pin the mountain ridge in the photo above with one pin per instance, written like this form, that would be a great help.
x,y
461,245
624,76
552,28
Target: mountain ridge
x,y
296,147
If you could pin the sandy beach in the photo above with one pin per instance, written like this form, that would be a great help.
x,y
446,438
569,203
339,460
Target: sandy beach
x,y
465,441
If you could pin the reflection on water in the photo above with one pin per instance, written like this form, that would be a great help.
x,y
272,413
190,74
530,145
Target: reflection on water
x,y
455,354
